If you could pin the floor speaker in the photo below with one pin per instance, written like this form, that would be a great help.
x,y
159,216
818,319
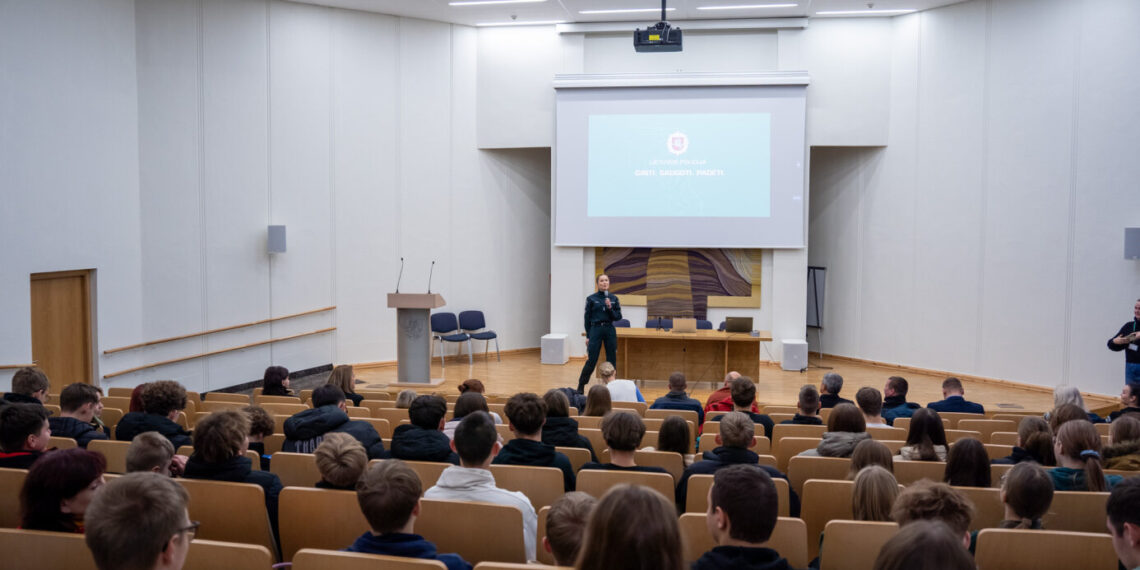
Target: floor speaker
x,y
795,355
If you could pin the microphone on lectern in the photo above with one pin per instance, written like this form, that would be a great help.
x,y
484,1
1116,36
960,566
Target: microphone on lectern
x,y
400,276
430,274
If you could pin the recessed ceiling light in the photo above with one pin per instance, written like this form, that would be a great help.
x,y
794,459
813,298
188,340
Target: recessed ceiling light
x,y
747,6
624,11
489,2
535,23
862,12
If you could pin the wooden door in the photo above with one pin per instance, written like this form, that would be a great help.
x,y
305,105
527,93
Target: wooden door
x,y
61,326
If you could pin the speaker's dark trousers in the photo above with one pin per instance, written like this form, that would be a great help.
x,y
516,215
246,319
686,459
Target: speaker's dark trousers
x,y
602,332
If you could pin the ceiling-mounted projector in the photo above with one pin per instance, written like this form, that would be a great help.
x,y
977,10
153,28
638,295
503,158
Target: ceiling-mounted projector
x,y
658,37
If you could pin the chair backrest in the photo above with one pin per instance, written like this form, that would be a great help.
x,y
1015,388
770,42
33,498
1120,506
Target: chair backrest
x,y
704,325
444,322
1028,549
262,400
956,417
120,392
393,415
823,502
589,422
714,428
907,472
427,471
789,538
383,427
358,413
53,409
578,456
987,427
1078,511
804,467
472,320
11,481
639,407
338,513
62,443
780,431
509,566
670,461
242,399
254,458
273,443
1102,429
596,482
1003,438
953,435
210,406
988,508
778,409
697,496
789,447
284,409
314,559
997,471
904,423
476,531
111,417
707,442
210,554
688,415
622,323
854,545
1013,417
542,485
373,405
295,469
26,549
995,451
230,512
596,440
119,403
780,417
887,433
114,451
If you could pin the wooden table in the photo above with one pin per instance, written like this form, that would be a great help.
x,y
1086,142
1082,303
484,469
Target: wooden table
x,y
704,355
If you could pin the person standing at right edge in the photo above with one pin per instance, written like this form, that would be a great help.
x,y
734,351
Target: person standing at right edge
x,y
602,309
1128,340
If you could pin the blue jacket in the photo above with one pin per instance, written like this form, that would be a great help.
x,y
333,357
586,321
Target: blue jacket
x,y
678,400
897,407
81,431
406,545
304,431
957,404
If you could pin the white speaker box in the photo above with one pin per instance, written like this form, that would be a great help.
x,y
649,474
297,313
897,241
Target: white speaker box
x,y
795,354
554,349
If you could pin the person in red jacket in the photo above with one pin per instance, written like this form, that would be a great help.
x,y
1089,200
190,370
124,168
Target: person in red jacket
x,y
721,400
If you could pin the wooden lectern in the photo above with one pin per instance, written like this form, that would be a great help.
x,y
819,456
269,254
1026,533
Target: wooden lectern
x,y
413,337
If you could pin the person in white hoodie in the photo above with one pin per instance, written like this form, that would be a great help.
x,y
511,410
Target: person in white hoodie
x,y
477,443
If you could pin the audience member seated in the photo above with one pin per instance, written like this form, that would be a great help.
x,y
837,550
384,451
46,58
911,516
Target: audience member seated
x,y
344,377
1077,448
632,528
58,489
1034,443
1124,449
140,522
967,464
741,517
808,405
261,426
565,526
1072,395
598,402
474,386
870,452
136,405
304,431
341,460
560,429
954,400
24,434
829,389
894,400
389,496
468,402
477,442
526,413
721,400
620,390
161,402
1026,494
927,500
873,495
623,432
219,455
846,428
926,440
151,452
275,382
742,396
1130,398
79,404
734,440
405,398
1064,413
870,402
925,544
29,386
678,399
1123,509
423,439
674,436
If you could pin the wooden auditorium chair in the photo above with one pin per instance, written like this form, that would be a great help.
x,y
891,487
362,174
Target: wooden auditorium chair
x,y
230,512
542,485
803,467
1013,549
578,456
114,451
11,481
697,497
316,559
789,538
854,545
295,469
596,482
212,554
35,549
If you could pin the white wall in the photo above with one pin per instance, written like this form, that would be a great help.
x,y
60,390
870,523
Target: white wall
x,y
986,238
355,130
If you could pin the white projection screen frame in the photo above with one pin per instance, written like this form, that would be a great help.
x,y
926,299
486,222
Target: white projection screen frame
x,y
778,98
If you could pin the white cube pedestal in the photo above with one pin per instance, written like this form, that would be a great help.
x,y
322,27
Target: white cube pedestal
x,y
554,349
795,355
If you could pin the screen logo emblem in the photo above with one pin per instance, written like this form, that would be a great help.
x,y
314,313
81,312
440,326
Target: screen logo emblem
x,y
678,143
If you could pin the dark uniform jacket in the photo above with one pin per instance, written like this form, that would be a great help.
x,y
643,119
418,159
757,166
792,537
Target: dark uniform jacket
x,y
81,431
305,431
135,423
596,310
563,432
414,443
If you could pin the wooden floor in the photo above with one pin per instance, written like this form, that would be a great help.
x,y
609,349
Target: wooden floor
x,y
523,371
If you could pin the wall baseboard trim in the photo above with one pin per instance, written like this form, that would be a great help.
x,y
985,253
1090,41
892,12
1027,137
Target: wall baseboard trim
x,y
453,358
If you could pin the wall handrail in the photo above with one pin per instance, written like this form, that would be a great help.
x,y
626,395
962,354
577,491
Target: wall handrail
x,y
15,366
216,352
212,331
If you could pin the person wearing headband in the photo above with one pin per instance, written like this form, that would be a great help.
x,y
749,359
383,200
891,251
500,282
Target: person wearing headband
x,y
1077,447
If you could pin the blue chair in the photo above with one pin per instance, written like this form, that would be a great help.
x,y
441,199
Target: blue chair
x,y
662,323
623,323
445,328
704,325
721,327
473,323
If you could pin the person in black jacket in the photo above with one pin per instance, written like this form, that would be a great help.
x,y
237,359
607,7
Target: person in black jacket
x,y
808,405
220,443
275,382
741,517
305,430
602,309
677,399
78,403
1127,339
261,426
29,386
743,396
560,429
737,434
829,389
423,439
526,413
24,434
623,431
161,400
1130,398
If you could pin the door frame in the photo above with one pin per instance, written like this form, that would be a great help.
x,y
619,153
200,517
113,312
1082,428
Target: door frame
x,y
88,278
